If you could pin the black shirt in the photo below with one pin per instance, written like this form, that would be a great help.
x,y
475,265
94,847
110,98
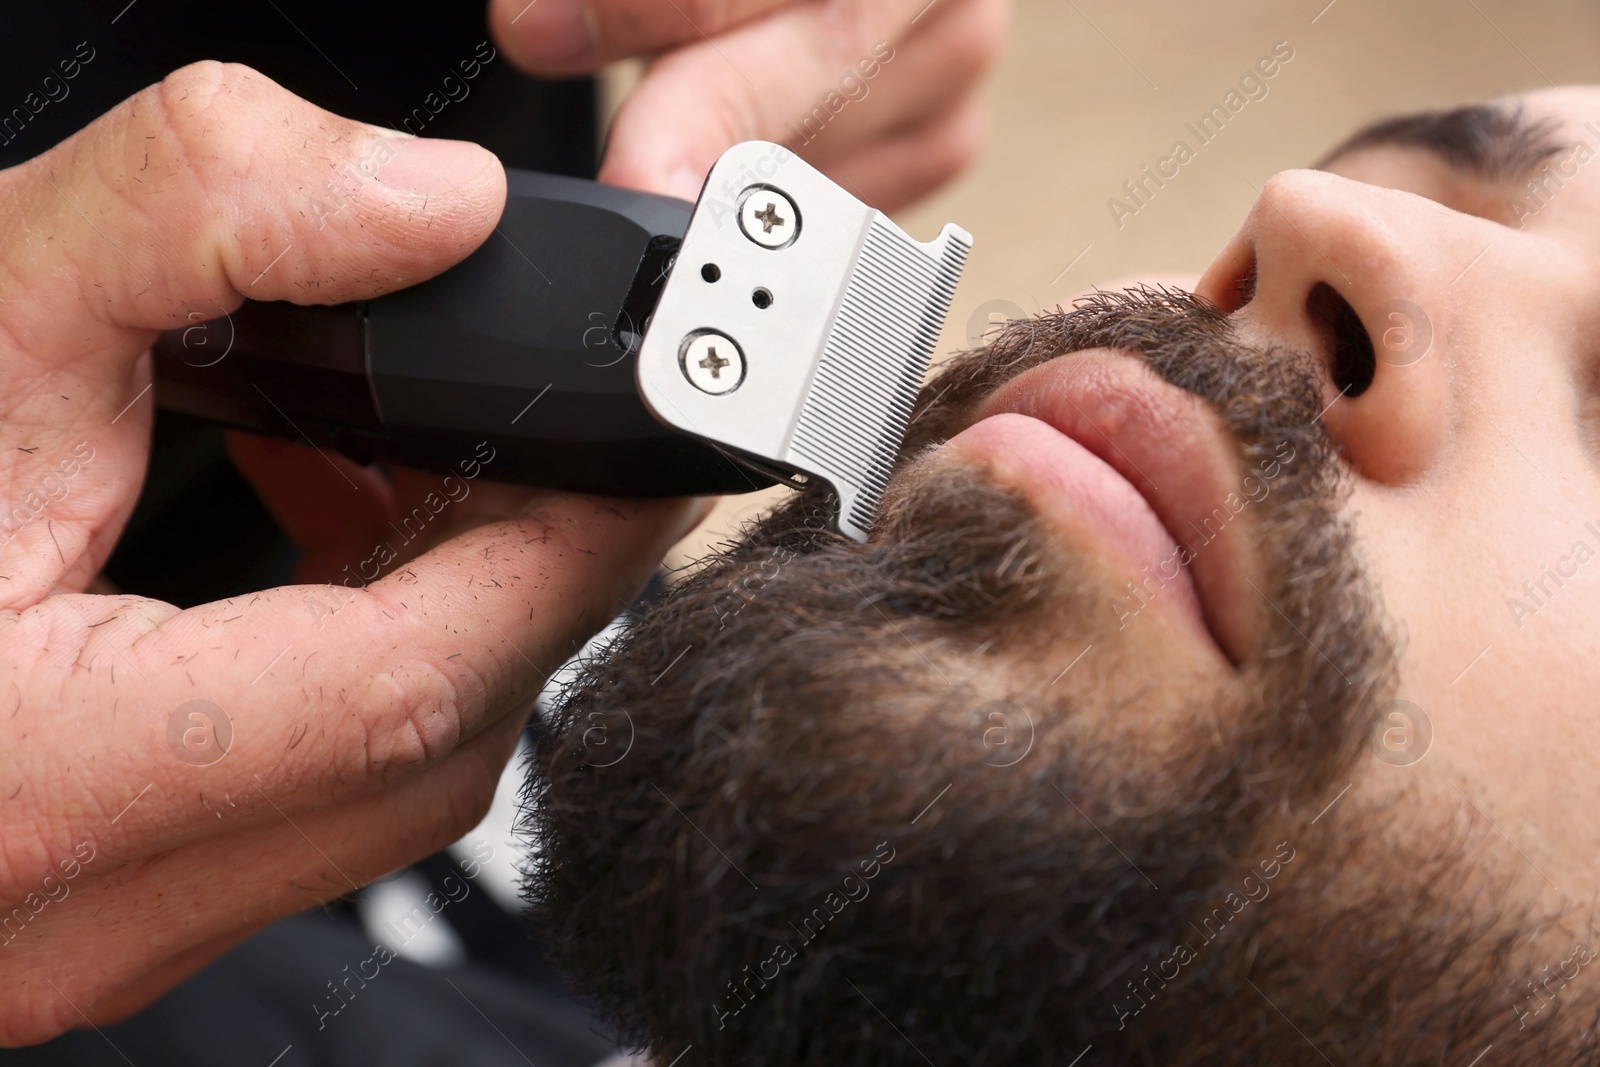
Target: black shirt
x,y
377,62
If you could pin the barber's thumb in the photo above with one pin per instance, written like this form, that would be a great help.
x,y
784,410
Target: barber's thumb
x,y
218,184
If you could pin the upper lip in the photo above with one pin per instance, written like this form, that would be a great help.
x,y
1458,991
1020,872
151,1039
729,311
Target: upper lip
x,y
1173,449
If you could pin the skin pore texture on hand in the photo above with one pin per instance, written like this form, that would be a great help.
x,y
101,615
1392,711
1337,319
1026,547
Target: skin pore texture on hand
x,y
1093,743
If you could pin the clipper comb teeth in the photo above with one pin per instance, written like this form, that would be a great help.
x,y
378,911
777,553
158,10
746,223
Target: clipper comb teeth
x,y
797,325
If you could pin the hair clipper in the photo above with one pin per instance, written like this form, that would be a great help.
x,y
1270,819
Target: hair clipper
x,y
615,342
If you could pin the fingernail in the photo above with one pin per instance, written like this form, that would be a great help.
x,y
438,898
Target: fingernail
x,y
557,31
425,165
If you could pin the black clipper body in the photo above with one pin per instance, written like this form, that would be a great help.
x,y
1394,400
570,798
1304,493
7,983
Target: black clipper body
x,y
529,344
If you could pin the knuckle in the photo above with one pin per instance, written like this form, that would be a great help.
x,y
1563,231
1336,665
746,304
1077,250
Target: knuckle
x,y
207,113
210,107
411,717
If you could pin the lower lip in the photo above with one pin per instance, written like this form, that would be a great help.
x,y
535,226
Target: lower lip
x,y
1078,437
1075,490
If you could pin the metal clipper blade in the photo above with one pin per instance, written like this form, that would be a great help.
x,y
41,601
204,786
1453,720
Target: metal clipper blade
x,y
797,325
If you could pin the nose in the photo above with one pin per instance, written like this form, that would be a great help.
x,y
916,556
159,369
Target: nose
x,y
1351,272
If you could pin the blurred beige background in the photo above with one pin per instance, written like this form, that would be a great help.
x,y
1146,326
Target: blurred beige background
x,y
1091,90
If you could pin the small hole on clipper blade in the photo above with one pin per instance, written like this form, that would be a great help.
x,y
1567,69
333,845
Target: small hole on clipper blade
x,y
761,298
711,272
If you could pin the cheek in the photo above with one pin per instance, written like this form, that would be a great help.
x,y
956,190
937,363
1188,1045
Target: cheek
x,y
1482,581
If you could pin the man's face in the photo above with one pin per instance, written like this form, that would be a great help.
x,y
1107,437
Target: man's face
x,y
1165,589
1473,462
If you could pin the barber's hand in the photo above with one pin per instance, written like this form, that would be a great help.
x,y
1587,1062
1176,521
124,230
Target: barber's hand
x,y
880,94
368,725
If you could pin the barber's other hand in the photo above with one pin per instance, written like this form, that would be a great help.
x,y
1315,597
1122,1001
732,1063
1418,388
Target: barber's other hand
x,y
368,725
880,94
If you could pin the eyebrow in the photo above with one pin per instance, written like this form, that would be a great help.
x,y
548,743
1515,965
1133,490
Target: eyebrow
x,y
1486,141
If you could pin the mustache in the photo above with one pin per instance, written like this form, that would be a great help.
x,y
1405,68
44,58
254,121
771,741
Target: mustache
x,y
1265,395
975,550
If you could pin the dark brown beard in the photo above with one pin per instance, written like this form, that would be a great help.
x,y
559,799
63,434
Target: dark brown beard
x,y
803,701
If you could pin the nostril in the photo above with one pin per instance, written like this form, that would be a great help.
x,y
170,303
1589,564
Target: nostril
x,y
1354,363
1244,287
1232,295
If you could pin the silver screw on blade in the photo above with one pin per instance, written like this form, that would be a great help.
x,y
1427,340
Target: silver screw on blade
x,y
712,362
768,217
